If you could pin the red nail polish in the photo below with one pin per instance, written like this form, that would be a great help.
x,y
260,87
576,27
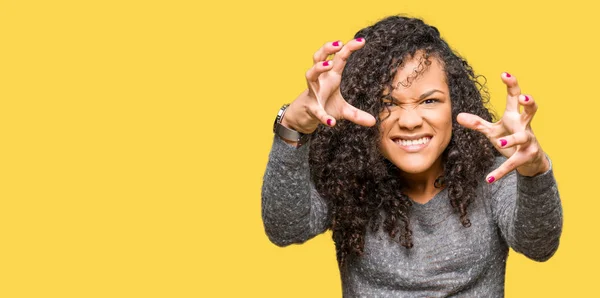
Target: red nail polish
x,y
336,43
503,142
491,179
508,75
526,98
326,63
359,39
329,122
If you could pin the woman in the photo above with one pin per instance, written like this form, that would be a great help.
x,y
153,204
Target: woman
x,y
402,181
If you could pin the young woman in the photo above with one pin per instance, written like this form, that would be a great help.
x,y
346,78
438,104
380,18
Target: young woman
x,y
423,193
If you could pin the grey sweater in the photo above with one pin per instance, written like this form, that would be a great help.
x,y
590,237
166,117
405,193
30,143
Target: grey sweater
x,y
447,259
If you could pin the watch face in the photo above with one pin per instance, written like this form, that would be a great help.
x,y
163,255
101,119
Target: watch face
x,y
279,116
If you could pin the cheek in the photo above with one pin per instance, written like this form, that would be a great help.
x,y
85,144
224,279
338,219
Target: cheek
x,y
444,125
448,127
383,141
385,126
448,121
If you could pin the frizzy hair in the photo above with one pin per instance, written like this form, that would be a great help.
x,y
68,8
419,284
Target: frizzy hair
x,y
360,186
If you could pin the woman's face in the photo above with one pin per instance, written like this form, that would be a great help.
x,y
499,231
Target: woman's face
x,y
419,126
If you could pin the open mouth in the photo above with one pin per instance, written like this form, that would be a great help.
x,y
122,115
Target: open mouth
x,y
420,141
412,144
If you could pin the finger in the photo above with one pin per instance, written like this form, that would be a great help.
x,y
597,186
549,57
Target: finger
x,y
342,56
513,91
529,105
312,75
474,122
509,165
357,116
319,113
519,138
326,50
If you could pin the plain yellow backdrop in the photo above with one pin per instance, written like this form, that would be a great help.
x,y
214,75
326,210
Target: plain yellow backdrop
x,y
134,136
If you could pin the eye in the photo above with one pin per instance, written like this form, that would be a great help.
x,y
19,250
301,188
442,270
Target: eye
x,y
389,102
431,101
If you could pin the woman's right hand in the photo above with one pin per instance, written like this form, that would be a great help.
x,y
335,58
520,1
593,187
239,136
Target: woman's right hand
x,y
322,102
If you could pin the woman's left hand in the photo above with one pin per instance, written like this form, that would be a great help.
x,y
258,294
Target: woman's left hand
x,y
512,135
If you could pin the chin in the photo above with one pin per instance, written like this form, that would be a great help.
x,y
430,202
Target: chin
x,y
418,162
413,166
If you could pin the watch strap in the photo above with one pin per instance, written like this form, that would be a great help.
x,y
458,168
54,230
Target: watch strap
x,y
291,135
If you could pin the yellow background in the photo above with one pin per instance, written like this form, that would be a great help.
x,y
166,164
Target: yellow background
x,y
134,136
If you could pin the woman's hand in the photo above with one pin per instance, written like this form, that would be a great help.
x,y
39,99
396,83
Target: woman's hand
x,y
322,102
512,135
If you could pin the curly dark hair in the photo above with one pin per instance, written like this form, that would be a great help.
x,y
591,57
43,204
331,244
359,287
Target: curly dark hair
x,y
361,187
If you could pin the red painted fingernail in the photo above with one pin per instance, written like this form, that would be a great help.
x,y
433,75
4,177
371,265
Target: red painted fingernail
x,y
526,98
329,122
491,179
508,75
326,63
503,142
359,39
336,43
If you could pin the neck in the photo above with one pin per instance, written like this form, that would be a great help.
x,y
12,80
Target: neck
x,y
421,187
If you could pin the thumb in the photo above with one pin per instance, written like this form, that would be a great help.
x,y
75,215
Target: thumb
x,y
473,122
357,116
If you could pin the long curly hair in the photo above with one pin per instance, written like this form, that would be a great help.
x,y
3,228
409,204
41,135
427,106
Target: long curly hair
x,y
361,187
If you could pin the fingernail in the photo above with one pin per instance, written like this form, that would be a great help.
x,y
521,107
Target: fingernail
x,y
526,98
502,143
329,122
359,39
491,179
508,75
326,63
336,43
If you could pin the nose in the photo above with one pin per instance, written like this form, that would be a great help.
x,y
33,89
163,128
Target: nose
x,y
409,118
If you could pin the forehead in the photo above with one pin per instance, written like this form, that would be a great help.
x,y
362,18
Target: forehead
x,y
417,75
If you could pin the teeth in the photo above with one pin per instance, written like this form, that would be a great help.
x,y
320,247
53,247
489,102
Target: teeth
x,y
420,141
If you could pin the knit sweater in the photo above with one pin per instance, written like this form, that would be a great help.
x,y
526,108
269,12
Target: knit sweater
x,y
447,259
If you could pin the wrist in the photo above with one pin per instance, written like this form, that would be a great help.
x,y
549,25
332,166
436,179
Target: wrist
x,y
537,167
298,119
287,134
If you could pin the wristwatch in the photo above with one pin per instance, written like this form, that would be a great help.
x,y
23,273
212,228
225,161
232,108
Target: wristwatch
x,y
287,133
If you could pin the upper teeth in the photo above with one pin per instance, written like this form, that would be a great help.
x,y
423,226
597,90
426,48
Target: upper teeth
x,y
420,141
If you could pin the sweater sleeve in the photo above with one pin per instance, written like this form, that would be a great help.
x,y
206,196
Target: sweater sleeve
x,y
292,210
528,212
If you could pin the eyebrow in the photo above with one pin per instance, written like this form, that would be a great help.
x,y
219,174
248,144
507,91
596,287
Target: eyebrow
x,y
423,96
428,93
